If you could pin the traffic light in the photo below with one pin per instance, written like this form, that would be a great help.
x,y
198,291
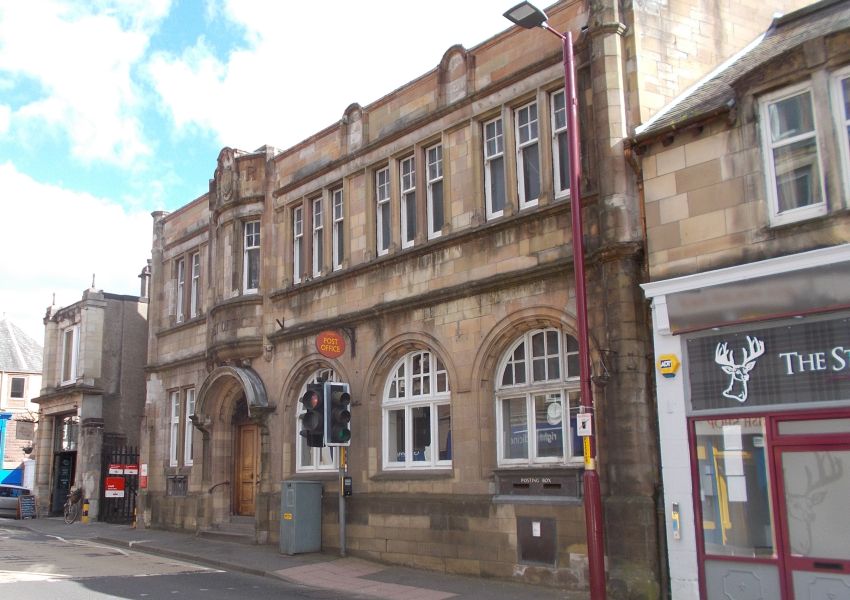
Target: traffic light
x,y
338,414
313,421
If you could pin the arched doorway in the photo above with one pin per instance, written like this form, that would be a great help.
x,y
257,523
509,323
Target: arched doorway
x,y
231,411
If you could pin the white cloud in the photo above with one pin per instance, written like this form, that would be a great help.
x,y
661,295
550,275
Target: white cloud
x,y
302,70
79,69
52,240
5,116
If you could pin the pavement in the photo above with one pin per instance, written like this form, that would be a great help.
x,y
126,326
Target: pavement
x,y
341,577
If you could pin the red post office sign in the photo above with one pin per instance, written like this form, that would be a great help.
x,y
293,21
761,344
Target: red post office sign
x,y
131,469
116,469
114,487
330,344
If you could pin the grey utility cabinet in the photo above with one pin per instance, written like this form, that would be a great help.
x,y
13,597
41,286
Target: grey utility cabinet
x,y
300,517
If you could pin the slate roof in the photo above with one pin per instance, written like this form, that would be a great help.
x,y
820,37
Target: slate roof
x,y
19,353
715,93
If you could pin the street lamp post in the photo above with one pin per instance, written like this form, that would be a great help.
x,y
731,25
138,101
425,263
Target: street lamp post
x,y
529,16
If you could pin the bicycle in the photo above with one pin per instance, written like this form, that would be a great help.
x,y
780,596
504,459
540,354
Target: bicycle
x,y
72,507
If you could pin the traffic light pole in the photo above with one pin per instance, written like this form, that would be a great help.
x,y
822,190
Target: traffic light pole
x,y
343,468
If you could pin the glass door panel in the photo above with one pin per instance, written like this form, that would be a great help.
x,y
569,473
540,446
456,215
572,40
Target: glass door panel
x,y
816,494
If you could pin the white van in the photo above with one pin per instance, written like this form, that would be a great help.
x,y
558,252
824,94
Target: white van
x,y
9,495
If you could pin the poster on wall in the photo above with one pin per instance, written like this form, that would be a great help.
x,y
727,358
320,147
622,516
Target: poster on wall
x,y
802,363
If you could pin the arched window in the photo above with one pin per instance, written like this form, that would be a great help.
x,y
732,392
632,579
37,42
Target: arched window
x,y
417,420
537,391
309,459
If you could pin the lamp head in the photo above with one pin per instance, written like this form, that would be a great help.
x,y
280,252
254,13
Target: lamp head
x,y
526,15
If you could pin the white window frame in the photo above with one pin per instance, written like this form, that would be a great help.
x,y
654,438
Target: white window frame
x,y
842,124
318,237
181,289
565,384
297,244
407,201
804,212
174,427
324,459
527,136
434,181
251,253
398,395
188,430
338,225
195,287
494,149
559,130
382,210
74,332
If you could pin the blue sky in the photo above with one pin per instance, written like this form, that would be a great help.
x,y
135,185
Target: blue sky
x,y
112,109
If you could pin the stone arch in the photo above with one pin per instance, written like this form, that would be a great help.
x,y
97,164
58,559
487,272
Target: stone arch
x,y
495,344
227,395
378,370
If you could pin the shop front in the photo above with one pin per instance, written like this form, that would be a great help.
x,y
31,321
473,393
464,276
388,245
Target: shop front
x,y
754,419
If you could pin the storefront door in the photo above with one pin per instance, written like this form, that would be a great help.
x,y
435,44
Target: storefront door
x,y
814,484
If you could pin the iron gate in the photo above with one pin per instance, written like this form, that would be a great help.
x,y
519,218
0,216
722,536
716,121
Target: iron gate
x,y
119,468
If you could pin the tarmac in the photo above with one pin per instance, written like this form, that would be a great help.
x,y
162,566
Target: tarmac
x,y
340,577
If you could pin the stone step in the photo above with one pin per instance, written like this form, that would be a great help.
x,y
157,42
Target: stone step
x,y
240,530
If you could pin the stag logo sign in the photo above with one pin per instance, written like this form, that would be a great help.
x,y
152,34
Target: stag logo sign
x,y
807,362
738,371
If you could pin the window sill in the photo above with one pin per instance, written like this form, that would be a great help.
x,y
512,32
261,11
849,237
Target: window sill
x,y
316,476
417,475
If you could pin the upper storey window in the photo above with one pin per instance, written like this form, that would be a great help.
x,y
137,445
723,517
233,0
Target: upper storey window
x,y
297,244
382,209
841,104
527,155
338,228
181,289
792,158
407,175
195,288
494,168
251,259
318,238
70,352
434,179
560,145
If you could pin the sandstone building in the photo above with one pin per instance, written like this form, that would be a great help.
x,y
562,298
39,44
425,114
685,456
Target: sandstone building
x,y
92,395
429,231
746,184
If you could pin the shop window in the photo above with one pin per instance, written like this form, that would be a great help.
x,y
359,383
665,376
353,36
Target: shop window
x,y
417,426
791,154
538,392
309,459
734,487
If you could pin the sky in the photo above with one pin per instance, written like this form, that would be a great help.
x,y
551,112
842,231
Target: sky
x,y
113,109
